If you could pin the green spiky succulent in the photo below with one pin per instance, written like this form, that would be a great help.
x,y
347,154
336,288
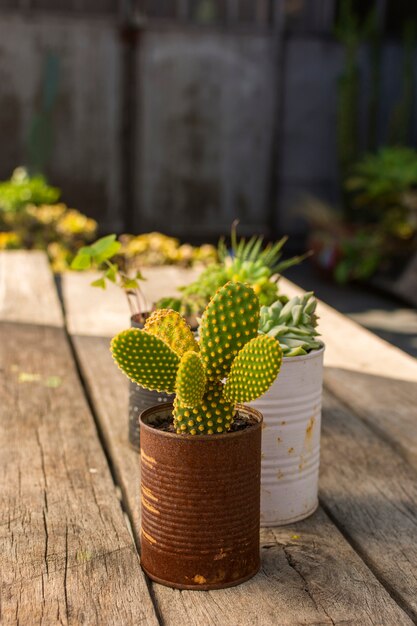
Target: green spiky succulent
x,y
293,324
230,364
248,261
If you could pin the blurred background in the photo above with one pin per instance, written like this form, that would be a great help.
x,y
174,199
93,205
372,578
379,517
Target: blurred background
x,y
297,117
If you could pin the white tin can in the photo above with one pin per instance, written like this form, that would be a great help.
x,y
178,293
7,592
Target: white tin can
x,y
291,440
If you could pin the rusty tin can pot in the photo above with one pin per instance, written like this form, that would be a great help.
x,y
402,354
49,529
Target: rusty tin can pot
x,y
141,399
200,504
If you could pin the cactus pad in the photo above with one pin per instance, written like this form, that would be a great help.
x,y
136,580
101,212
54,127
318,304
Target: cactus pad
x,y
145,359
228,323
165,356
171,328
191,380
254,369
213,416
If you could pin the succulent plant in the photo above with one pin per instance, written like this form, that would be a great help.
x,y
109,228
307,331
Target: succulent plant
x,y
248,262
293,324
230,364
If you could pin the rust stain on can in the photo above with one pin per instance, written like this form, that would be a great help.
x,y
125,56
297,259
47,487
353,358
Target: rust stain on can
x,y
310,427
149,494
149,506
148,460
148,537
222,555
204,533
290,450
199,580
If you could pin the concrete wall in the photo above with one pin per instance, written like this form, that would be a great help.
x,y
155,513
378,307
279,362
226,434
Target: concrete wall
x,y
204,122
85,159
205,130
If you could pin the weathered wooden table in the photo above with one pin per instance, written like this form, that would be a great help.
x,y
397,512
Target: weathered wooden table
x,y
69,481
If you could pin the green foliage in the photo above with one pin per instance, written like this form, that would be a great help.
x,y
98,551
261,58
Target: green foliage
x,y
204,403
55,228
293,324
22,190
248,262
383,191
96,254
361,255
101,257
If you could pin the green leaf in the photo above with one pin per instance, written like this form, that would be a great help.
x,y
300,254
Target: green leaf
x,y
82,261
130,283
100,282
102,245
103,248
111,273
139,276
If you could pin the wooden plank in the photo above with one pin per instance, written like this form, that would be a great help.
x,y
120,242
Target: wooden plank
x,y
372,494
66,555
375,379
27,291
310,574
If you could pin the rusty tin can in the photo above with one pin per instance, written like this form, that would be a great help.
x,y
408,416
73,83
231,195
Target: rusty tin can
x,y
141,399
200,499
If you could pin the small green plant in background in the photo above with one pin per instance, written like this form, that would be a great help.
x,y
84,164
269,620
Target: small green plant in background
x,y
22,189
102,256
294,324
249,262
383,191
230,364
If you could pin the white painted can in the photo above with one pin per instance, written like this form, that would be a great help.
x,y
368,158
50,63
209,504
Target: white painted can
x,y
291,440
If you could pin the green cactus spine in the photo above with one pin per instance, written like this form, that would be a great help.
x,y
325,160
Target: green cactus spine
x,y
165,356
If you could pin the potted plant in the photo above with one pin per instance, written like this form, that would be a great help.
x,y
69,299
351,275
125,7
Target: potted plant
x,y
102,255
248,262
200,457
292,413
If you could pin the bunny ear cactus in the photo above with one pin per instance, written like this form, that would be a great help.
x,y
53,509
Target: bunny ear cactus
x,y
230,320
165,356
169,326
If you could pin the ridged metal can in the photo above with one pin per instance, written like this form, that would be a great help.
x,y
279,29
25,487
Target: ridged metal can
x,y
291,440
141,399
200,498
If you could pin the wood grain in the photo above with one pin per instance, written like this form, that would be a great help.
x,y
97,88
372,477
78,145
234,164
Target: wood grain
x,y
27,290
310,573
66,555
372,494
